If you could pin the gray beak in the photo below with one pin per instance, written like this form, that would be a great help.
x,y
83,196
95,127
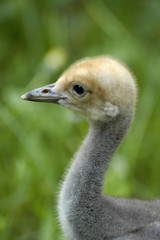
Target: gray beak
x,y
43,94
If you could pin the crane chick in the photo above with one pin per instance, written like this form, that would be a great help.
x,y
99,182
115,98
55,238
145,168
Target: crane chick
x,y
104,91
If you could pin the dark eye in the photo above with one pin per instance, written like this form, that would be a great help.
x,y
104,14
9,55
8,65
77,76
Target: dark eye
x,y
78,90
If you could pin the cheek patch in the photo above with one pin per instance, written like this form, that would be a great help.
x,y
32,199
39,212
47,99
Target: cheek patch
x,y
110,109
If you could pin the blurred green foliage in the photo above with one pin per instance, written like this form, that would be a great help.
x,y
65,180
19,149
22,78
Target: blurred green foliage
x,y
38,40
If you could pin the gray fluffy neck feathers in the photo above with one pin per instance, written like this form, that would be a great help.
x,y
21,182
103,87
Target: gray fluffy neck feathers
x,y
82,187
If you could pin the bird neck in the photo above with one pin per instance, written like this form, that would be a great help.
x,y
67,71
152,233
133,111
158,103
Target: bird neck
x,y
91,161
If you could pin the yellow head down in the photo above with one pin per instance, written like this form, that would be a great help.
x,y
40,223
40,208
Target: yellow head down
x,y
96,87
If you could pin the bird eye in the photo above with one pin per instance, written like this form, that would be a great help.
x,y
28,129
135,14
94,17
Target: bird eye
x,y
78,90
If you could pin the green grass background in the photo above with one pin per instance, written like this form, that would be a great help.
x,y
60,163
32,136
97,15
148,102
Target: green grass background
x,y
38,40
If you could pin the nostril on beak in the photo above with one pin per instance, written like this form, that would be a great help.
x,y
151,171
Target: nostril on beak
x,y
45,91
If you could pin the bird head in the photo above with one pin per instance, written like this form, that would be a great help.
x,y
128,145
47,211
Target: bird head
x,y
98,87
